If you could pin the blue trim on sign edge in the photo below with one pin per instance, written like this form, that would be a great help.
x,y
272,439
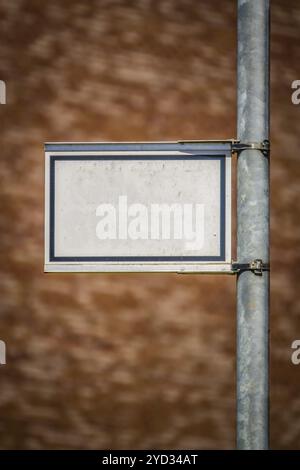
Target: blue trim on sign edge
x,y
53,258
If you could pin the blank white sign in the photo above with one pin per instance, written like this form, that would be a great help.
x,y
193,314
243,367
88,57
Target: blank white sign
x,y
138,207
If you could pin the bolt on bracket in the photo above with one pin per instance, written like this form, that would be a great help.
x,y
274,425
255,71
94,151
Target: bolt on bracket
x,y
264,146
256,266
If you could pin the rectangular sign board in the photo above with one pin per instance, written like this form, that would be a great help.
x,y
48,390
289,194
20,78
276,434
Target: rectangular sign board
x,y
138,207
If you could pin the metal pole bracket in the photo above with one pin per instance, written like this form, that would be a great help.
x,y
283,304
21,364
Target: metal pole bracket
x,y
264,146
256,266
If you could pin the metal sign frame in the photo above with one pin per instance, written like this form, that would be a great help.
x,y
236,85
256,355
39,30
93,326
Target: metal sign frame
x,y
183,150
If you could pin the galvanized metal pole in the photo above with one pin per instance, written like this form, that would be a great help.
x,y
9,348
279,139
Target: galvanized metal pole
x,y
253,226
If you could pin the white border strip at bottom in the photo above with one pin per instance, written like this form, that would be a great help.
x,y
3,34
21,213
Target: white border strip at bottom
x,y
138,268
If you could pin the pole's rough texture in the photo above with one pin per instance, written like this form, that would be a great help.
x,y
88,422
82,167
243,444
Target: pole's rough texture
x,y
253,226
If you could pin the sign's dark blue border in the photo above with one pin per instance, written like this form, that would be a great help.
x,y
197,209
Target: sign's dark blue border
x,y
221,257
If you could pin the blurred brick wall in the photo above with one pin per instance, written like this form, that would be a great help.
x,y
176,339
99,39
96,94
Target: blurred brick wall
x,y
133,361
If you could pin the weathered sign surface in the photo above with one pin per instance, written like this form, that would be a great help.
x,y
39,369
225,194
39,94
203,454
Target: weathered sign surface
x,y
138,207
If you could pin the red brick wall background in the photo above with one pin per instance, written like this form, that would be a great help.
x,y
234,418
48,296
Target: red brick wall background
x,y
133,361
